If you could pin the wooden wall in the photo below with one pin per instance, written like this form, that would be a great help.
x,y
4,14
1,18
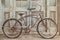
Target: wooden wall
x,y
58,14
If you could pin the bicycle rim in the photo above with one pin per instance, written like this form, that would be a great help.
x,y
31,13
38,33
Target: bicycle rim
x,y
8,29
51,28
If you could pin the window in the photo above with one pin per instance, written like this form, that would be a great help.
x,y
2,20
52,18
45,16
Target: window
x,y
6,3
53,15
52,2
21,3
6,15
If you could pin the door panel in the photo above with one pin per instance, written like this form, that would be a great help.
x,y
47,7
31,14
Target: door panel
x,y
15,6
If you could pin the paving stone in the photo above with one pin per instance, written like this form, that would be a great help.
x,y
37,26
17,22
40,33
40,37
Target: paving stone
x,y
29,37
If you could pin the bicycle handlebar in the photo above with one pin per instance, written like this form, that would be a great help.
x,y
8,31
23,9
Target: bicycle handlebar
x,y
35,8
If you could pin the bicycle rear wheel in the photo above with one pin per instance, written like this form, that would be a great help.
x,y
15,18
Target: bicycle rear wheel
x,y
12,28
49,30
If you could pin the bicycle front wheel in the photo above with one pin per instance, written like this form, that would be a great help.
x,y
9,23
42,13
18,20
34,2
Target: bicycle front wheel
x,y
12,28
47,28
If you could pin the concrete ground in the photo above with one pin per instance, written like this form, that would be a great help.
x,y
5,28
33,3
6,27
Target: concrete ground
x,y
29,37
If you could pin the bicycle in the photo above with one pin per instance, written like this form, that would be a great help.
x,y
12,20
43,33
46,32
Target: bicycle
x,y
46,27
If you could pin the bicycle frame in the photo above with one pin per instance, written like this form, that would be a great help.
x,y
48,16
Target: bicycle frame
x,y
36,22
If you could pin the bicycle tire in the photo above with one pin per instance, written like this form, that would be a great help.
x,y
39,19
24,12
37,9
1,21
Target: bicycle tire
x,y
42,33
4,26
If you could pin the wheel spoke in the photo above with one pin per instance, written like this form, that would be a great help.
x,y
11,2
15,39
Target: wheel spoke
x,y
51,28
10,30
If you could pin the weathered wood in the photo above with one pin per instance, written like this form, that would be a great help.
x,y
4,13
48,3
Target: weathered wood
x,y
58,14
45,8
1,15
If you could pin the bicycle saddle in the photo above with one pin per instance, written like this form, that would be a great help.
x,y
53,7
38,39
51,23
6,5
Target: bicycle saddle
x,y
21,14
31,8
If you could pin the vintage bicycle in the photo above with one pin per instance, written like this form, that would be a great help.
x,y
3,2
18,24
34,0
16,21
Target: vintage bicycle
x,y
46,27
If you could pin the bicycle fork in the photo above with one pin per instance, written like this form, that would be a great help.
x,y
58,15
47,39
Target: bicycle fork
x,y
44,23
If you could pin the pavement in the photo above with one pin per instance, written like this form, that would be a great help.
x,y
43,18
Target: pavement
x,y
29,37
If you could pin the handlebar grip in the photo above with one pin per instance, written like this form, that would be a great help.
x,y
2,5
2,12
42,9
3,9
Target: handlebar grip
x,y
31,8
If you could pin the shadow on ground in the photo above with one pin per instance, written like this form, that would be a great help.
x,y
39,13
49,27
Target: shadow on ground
x,y
28,37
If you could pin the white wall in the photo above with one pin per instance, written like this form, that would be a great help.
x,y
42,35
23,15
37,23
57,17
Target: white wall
x,y
11,3
1,16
